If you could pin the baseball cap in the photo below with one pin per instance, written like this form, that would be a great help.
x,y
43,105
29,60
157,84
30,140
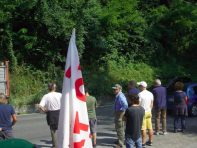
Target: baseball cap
x,y
117,86
142,83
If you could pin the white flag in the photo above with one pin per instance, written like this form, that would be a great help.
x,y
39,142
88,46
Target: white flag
x,y
73,128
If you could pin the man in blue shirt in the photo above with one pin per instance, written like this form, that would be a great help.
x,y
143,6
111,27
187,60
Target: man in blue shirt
x,y
7,118
132,90
159,93
120,107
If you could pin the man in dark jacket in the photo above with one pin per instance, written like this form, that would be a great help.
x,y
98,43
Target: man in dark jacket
x,y
159,93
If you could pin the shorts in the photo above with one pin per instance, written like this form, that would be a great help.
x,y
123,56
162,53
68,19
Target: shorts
x,y
147,122
93,125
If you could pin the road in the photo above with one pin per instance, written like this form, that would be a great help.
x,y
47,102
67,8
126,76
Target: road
x,y
33,128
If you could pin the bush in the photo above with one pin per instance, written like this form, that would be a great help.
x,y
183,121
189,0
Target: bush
x,y
100,79
29,85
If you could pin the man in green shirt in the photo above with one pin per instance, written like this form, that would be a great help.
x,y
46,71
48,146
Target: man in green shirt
x,y
91,107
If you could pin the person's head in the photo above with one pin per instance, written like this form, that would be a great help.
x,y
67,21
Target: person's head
x,y
52,87
157,82
178,86
132,84
142,85
3,99
117,88
86,91
133,99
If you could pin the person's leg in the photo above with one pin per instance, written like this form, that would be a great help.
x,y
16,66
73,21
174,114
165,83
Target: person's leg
x,y
129,143
143,137
163,118
93,126
143,130
183,126
149,127
119,126
138,143
157,120
176,121
53,137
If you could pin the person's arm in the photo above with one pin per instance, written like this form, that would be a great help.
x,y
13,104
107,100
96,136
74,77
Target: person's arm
x,y
151,105
43,109
14,119
42,105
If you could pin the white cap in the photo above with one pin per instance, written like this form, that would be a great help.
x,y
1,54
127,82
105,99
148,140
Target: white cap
x,y
142,83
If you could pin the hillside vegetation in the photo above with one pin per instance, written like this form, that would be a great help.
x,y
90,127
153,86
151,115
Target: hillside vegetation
x,y
117,41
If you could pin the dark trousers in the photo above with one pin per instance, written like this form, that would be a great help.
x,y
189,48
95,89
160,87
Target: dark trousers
x,y
176,122
6,134
160,114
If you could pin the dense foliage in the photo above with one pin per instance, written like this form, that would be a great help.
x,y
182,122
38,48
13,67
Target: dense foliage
x,y
117,41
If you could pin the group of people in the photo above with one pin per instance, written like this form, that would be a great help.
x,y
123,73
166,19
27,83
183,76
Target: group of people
x,y
135,109
50,104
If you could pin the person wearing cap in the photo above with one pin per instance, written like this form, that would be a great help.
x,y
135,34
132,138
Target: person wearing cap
x,y
50,103
120,107
146,101
134,116
159,93
7,118
132,90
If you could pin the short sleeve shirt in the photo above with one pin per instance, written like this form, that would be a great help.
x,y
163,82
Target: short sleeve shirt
x,y
146,97
91,106
51,101
6,111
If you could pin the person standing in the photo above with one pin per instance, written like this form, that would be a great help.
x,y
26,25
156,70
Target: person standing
x,y
120,107
132,90
134,117
180,110
146,101
91,107
50,103
159,93
7,118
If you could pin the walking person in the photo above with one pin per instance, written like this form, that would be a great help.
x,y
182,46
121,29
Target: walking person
x,y
7,118
50,104
120,107
146,101
180,110
134,117
91,107
159,93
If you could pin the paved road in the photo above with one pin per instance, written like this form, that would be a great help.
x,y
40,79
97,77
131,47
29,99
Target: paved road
x,y
33,128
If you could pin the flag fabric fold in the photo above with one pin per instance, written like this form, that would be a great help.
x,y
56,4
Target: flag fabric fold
x,y
73,128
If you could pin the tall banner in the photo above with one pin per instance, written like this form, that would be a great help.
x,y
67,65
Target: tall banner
x,y
73,129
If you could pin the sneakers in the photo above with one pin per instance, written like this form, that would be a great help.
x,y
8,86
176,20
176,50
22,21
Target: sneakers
x,y
149,143
165,133
156,133
143,145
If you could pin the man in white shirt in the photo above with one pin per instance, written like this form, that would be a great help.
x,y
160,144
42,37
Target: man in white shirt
x,y
50,104
146,101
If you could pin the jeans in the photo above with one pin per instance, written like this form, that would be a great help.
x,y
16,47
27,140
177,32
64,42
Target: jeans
x,y
160,113
176,122
131,143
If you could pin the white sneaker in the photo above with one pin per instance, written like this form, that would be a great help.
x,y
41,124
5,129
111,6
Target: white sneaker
x,y
165,133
